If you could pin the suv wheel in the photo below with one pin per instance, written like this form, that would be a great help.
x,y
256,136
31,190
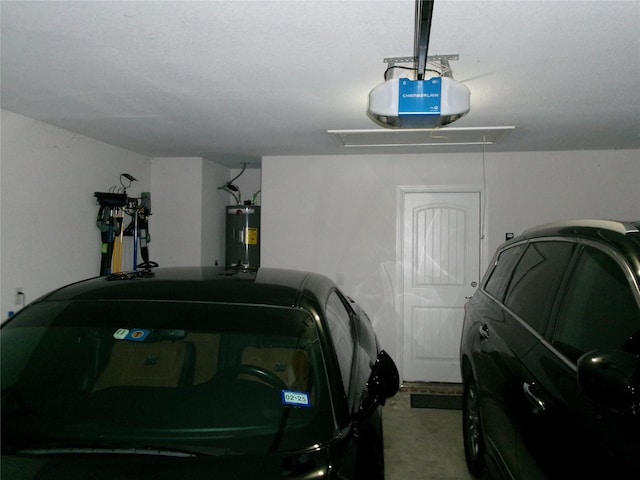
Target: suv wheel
x,y
473,436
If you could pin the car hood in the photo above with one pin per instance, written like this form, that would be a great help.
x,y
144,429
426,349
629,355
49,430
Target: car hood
x,y
109,466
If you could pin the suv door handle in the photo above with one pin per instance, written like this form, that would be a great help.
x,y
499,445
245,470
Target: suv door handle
x,y
484,331
538,403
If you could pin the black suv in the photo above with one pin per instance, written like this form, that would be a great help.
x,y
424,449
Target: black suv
x,y
550,356
190,373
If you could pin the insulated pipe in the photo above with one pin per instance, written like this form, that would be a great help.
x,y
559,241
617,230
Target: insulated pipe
x,y
244,166
230,188
424,14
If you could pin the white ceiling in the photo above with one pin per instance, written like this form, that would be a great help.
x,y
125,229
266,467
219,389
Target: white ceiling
x,y
235,80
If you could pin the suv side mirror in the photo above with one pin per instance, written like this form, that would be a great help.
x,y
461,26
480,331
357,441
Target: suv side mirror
x,y
611,378
383,383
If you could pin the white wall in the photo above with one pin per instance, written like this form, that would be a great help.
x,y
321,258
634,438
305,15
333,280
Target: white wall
x,y
48,212
187,224
213,212
337,215
176,184
528,189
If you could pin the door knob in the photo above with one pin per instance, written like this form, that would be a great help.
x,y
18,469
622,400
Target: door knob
x,y
484,332
539,404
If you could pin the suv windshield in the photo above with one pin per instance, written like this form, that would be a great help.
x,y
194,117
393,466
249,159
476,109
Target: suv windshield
x,y
179,375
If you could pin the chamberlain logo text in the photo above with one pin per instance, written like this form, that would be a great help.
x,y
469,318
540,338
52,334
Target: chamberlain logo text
x,y
420,95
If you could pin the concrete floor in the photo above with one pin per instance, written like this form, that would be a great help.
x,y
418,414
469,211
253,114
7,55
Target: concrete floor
x,y
422,443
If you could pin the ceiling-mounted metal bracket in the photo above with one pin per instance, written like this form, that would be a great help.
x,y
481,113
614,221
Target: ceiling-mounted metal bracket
x,y
442,60
431,58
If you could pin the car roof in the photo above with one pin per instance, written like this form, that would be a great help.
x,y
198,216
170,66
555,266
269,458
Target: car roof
x,y
264,286
584,228
623,236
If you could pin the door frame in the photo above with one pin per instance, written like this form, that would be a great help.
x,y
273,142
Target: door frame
x,y
401,192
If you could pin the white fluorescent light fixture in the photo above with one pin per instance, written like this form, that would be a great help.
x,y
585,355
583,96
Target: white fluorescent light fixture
x,y
420,136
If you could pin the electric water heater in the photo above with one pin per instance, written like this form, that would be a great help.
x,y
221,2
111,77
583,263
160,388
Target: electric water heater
x,y
243,236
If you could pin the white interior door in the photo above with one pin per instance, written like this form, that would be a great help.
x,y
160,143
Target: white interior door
x,y
440,261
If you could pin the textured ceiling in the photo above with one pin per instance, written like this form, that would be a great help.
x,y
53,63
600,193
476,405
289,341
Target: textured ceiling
x,y
233,81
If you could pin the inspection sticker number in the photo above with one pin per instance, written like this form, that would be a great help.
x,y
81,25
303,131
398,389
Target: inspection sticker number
x,y
296,399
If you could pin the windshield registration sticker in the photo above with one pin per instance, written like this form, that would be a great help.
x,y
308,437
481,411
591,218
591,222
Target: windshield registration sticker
x,y
135,335
121,333
295,399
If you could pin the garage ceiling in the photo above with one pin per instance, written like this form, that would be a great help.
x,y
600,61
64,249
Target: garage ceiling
x,y
233,81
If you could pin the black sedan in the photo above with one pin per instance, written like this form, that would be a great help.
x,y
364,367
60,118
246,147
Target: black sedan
x,y
194,373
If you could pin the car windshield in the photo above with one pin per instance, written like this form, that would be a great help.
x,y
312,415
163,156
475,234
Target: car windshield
x,y
182,375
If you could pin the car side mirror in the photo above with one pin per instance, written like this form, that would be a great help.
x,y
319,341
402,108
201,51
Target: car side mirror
x,y
612,379
383,383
